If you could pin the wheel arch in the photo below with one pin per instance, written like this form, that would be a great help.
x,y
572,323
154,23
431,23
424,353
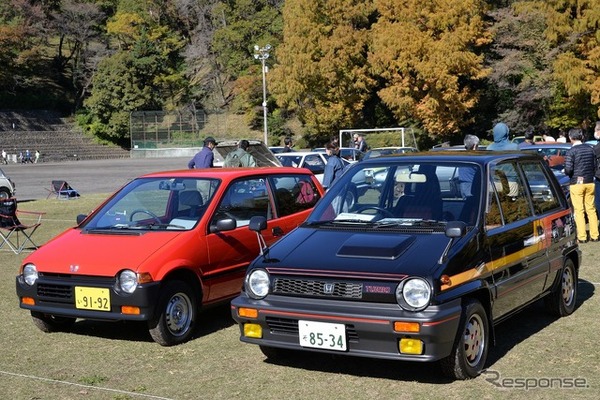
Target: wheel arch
x,y
483,296
188,276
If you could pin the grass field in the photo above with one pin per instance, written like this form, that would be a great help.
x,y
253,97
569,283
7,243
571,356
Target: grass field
x,y
107,360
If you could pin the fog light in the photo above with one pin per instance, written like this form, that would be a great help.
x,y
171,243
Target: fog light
x,y
253,331
411,346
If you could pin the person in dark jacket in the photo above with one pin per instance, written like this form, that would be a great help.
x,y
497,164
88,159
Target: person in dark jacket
x,y
597,178
334,167
580,166
205,157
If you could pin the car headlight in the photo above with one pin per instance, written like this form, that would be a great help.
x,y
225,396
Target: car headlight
x,y
413,294
127,281
257,283
30,274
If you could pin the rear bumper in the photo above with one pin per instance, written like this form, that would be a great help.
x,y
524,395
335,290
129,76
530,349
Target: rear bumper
x,y
369,326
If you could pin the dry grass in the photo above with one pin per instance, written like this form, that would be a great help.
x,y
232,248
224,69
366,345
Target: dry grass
x,y
119,361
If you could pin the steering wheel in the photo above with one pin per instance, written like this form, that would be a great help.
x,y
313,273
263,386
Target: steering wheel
x,y
147,212
380,210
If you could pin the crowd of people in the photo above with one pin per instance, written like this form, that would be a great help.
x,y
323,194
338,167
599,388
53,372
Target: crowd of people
x,y
22,158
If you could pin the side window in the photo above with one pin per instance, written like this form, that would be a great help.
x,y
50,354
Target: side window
x,y
543,195
507,196
243,200
294,194
315,163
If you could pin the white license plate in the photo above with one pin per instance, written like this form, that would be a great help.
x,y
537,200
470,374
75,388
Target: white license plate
x,y
322,335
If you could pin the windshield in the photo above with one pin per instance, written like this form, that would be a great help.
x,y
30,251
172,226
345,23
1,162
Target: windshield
x,y
403,193
156,204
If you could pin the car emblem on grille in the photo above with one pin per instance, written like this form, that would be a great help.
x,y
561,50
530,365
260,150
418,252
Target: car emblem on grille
x,y
74,268
328,288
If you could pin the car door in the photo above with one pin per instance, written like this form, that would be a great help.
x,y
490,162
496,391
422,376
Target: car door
x,y
517,253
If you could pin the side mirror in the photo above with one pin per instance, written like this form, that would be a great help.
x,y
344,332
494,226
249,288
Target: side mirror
x,y
257,224
222,225
455,229
80,218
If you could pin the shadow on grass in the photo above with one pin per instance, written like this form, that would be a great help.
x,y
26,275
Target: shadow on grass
x,y
209,321
509,334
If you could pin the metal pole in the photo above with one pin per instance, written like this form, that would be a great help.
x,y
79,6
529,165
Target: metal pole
x,y
262,53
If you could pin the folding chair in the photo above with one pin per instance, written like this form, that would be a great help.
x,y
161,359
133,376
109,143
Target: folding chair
x,y
15,234
62,190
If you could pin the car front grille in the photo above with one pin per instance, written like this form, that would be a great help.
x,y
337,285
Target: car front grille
x,y
317,288
286,326
55,292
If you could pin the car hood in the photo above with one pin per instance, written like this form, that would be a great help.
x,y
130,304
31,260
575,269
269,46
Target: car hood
x,y
78,252
357,252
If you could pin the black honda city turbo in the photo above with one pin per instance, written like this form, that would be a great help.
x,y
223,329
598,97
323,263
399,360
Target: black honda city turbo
x,y
416,257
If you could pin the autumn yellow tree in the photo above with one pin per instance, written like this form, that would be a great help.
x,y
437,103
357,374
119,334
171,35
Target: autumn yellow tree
x,y
322,71
427,54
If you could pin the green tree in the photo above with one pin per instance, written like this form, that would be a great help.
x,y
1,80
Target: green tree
x,y
321,72
428,55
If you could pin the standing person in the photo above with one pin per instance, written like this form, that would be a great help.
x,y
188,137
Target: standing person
x,y
361,144
240,156
548,138
562,137
37,156
501,141
287,145
334,166
597,175
4,160
467,174
205,157
529,134
580,166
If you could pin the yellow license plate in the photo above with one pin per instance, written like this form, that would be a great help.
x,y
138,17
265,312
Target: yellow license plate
x,y
88,298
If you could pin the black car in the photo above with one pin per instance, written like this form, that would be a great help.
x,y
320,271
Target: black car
x,y
419,268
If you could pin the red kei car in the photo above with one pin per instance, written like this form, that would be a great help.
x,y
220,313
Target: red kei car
x,y
162,247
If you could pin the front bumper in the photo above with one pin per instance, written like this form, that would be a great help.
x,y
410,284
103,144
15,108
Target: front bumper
x,y
369,326
55,295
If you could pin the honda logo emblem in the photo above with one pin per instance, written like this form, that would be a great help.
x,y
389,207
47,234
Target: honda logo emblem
x,y
328,288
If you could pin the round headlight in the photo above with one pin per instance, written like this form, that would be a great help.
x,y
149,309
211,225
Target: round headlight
x,y
414,294
257,283
30,274
127,281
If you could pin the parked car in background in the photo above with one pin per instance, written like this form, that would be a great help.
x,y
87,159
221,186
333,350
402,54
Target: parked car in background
x,y
420,269
162,248
7,186
278,149
350,154
311,160
521,139
388,151
553,152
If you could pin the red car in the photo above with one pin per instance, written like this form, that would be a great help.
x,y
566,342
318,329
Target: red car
x,y
163,247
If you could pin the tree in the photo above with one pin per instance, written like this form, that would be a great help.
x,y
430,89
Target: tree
x,y
321,71
428,57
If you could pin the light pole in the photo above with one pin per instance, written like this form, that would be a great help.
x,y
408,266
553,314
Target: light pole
x,y
262,53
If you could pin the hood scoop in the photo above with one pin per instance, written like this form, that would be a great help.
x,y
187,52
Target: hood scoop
x,y
386,247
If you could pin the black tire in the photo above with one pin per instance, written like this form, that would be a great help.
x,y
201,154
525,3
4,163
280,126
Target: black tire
x,y
471,346
4,193
175,318
561,301
51,323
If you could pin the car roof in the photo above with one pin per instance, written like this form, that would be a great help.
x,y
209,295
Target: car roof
x,y
227,173
478,156
549,144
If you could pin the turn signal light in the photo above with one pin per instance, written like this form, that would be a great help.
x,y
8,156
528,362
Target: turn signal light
x,y
28,300
248,312
130,310
253,331
400,326
411,346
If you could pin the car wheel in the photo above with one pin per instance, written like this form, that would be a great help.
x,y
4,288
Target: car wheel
x,y
561,301
51,323
471,346
175,316
4,194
